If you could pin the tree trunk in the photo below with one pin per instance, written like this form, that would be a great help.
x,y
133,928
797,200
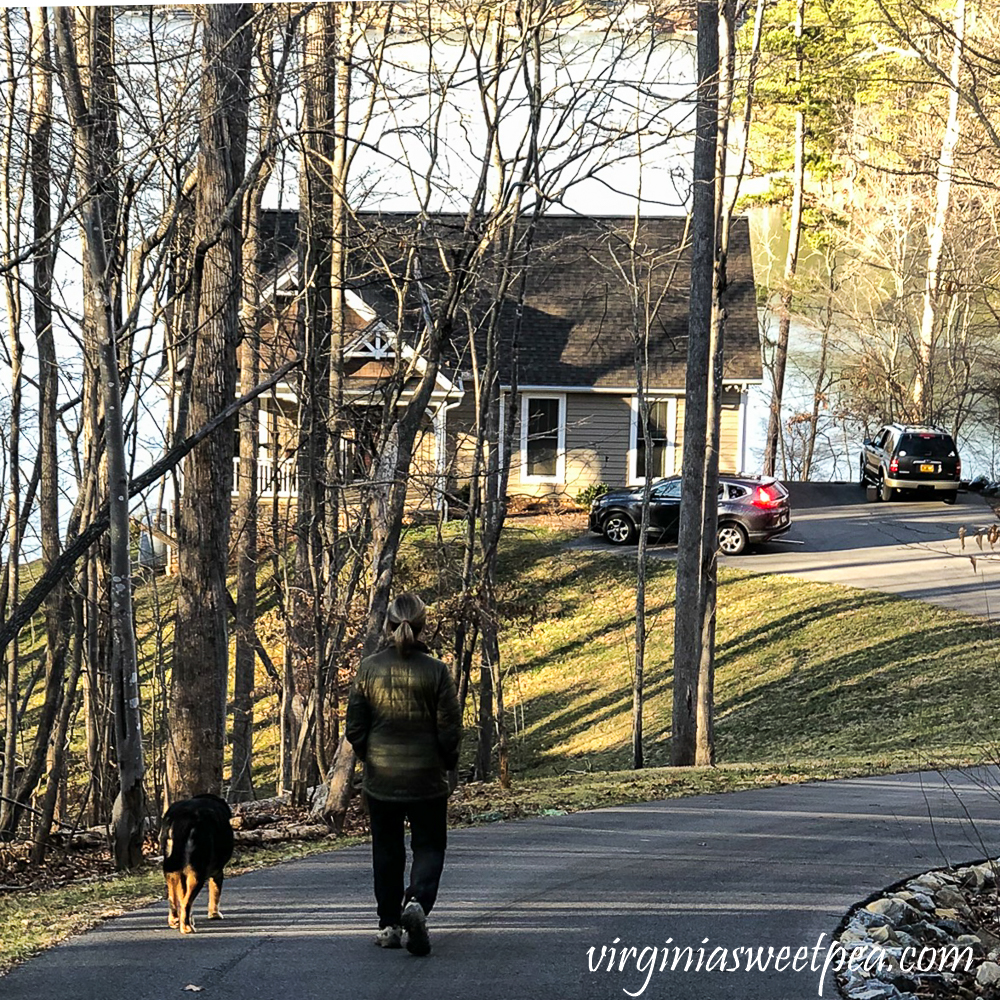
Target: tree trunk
x,y
306,601
923,386
129,809
201,654
8,811
56,607
791,265
705,723
691,543
247,529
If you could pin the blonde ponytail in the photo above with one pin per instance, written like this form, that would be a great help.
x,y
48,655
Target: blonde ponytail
x,y
405,619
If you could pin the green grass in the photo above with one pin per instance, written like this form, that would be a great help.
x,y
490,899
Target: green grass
x,y
813,681
803,672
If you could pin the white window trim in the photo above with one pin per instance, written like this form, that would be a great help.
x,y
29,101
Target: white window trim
x,y
634,477
560,475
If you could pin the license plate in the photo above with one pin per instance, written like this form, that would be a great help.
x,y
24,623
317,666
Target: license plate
x,y
926,468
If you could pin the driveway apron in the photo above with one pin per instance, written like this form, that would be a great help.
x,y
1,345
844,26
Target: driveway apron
x,y
523,903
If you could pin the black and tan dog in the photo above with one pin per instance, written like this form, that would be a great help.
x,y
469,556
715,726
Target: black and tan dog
x,y
196,840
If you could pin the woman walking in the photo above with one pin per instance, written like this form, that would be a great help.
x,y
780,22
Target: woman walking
x,y
404,723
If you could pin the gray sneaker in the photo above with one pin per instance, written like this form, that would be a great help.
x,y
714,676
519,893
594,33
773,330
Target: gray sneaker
x,y
389,937
415,924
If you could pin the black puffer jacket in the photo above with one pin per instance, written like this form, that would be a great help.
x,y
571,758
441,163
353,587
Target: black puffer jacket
x,y
404,722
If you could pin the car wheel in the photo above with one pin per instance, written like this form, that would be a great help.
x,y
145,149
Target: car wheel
x,y
732,539
619,529
950,496
862,478
885,493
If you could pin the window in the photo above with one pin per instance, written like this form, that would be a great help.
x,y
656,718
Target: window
x,y
543,438
662,418
927,446
667,491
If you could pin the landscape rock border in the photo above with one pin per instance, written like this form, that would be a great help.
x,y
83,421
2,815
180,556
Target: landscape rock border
x,y
953,906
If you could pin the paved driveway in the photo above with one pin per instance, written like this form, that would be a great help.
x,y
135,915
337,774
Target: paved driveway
x,y
521,904
906,547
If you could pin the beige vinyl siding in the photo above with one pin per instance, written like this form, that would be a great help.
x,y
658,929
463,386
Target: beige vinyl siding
x,y
729,434
462,439
421,487
679,434
596,446
597,439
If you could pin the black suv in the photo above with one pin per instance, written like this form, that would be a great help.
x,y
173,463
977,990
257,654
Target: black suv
x,y
910,457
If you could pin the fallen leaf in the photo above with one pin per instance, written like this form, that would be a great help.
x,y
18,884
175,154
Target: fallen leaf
x,y
191,988
961,536
972,559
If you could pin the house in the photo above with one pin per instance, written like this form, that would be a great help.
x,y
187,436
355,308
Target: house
x,y
593,287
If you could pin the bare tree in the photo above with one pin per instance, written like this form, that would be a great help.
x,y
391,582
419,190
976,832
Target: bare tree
x,y
201,654
791,261
923,386
129,810
693,548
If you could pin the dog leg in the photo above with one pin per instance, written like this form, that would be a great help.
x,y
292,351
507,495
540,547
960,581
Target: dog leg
x,y
214,894
173,897
191,888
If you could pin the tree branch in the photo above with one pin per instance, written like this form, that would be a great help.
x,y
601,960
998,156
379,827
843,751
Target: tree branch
x,y
75,549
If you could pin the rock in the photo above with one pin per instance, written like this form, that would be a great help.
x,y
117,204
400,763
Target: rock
x,y
949,898
875,991
853,936
897,911
882,935
930,880
952,927
988,974
867,918
970,941
978,877
989,941
918,899
906,940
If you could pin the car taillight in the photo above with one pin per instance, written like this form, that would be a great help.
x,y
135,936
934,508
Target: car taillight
x,y
894,465
763,498
958,468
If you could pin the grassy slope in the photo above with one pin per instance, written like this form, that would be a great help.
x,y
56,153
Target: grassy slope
x,y
804,672
813,681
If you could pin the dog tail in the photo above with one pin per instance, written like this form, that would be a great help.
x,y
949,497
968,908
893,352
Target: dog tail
x,y
177,839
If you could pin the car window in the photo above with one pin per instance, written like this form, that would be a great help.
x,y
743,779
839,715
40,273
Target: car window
x,y
736,492
883,439
668,491
926,446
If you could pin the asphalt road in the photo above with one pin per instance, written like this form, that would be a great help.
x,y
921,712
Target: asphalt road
x,y
522,903
906,547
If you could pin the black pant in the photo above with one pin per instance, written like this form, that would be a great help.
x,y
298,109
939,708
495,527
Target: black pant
x,y
428,839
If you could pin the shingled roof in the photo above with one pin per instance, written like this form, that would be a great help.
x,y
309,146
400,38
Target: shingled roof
x,y
578,315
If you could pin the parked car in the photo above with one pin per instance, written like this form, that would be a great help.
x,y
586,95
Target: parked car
x,y
910,457
751,511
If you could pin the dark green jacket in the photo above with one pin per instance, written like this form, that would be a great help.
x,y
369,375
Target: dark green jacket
x,y
404,722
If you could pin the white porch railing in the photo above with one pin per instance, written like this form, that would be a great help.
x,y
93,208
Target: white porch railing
x,y
271,480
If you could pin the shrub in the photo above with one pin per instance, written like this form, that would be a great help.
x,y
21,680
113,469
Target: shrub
x,y
586,497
